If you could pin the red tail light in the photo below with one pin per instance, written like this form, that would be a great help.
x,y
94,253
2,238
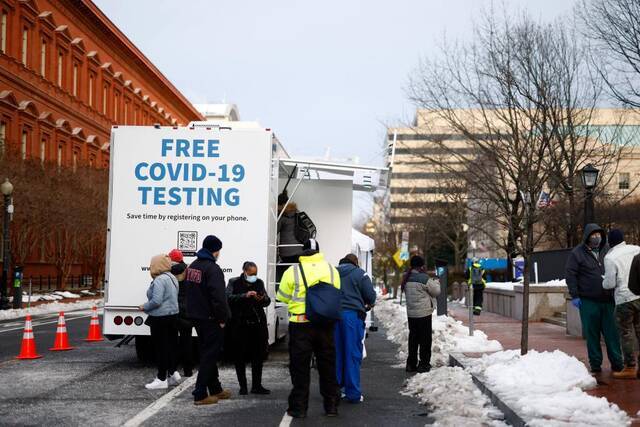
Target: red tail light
x,y
117,320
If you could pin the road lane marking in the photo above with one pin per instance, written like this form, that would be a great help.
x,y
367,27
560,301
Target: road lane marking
x,y
286,420
163,401
36,323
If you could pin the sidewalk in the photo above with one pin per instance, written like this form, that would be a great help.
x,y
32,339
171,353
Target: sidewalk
x,y
547,337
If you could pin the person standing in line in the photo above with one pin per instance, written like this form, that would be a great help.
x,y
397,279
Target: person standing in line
x,y
306,338
475,277
162,311
286,235
208,308
358,296
250,336
185,326
617,264
584,276
420,292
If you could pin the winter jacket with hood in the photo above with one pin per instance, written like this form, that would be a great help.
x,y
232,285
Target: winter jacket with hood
x,y
421,292
205,289
357,289
286,230
162,294
617,265
584,270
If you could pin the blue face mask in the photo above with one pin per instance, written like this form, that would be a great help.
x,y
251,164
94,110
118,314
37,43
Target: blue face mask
x,y
251,279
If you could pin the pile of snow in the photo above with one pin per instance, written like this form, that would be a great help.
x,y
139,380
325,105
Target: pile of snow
x,y
66,294
508,286
547,388
87,292
53,307
452,398
449,335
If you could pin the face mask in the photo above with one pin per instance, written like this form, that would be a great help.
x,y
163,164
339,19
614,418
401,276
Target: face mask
x,y
251,279
595,240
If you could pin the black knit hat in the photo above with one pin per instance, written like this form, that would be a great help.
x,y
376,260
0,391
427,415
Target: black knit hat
x,y
212,243
311,245
416,261
616,237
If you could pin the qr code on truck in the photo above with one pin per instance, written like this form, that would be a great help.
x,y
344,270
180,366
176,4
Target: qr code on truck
x,y
188,242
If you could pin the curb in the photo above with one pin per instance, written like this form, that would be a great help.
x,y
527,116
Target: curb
x,y
510,416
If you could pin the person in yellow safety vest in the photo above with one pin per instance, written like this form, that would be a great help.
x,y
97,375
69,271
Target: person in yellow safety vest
x,y
306,338
476,279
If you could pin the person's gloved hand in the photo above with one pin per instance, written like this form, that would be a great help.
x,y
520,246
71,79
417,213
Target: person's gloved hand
x,y
576,302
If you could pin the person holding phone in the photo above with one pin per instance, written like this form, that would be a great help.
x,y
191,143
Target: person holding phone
x,y
249,334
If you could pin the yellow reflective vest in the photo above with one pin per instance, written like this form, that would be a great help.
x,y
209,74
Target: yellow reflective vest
x,y
291,290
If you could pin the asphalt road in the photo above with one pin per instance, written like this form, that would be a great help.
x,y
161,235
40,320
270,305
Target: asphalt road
x,y
98,383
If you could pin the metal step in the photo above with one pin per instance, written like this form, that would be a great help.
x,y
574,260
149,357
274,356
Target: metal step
x,y
558,321
560,314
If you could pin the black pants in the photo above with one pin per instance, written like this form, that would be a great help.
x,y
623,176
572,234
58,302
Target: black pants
x,y
419,337
282,268
210,340
306,339
164,335
478,295
250,344
185,328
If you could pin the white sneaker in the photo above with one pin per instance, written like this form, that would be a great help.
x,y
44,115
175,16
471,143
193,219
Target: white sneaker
x,y
157,384
174,379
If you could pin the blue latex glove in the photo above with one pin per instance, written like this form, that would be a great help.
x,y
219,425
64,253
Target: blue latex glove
x,y
576,303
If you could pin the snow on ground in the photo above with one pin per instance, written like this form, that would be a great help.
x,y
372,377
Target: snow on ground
x,y
67,294
508,286
448,392
53,307
546,388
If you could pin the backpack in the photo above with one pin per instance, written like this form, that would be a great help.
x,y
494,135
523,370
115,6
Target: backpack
x,y
323,302
304,229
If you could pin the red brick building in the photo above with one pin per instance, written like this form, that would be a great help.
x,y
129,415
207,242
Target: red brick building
x,y
67,74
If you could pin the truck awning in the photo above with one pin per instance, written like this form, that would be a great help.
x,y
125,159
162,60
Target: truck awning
x,y
364,178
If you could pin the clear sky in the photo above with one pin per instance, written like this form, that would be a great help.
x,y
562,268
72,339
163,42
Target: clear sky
x,y
323,75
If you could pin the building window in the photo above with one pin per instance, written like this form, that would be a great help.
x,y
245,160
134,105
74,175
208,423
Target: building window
x,y
43,58
105,92
60,69
3,136
75,79
116,99
75,161
3,32
91,161
91,91
624,181
59,159
23,144
126,113
25,45
43,148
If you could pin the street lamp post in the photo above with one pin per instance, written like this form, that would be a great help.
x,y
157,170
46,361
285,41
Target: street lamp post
x,y
6,188
589,176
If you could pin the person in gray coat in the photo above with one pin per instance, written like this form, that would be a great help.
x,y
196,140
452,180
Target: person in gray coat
x,y
162,310
420,293
290,248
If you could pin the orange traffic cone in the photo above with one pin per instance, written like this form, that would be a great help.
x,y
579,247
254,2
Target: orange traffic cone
x,y
62,339
94,327
28,348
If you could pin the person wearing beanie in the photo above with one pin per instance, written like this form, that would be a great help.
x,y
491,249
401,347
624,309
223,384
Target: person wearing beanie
x,y
421,292
162,319
208,308
617,265
289,248
307,338
185,326
584,273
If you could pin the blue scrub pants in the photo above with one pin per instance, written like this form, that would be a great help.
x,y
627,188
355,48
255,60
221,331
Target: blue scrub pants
x,y
349,334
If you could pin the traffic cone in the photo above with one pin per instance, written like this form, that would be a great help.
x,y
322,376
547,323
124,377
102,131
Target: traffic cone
x,y
62,339
94,327
28,348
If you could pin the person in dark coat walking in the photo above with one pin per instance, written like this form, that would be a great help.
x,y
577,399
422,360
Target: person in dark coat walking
x,y
208,308
584,276
249,334
185,326
358,297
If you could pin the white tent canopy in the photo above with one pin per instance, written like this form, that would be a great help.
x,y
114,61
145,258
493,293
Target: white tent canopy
x,y
363,246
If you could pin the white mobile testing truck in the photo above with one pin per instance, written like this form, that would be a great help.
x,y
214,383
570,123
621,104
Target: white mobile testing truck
x,y
170,187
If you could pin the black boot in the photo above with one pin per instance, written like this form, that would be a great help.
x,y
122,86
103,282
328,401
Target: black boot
x,y
256,379
242,377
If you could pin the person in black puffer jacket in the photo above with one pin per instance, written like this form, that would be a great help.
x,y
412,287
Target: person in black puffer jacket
x,y
250,337
185,326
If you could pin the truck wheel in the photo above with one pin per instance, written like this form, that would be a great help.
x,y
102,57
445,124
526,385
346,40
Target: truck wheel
x,y
144,349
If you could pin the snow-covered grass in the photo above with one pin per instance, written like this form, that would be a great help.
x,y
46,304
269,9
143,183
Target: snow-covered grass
x,y
449,392
547,388
53,307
